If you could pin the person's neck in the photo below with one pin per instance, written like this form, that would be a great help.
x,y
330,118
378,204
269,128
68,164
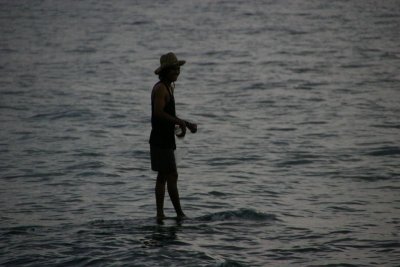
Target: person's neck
x,y
167,82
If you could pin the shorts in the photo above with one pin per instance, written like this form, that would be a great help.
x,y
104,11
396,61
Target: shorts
x,y
162,159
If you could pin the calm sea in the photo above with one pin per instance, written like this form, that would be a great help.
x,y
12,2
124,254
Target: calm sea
x,y
297,157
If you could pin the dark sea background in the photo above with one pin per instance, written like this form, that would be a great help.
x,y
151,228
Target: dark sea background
x,y
297,157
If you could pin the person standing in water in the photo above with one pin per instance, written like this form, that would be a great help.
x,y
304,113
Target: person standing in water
x,y
162,138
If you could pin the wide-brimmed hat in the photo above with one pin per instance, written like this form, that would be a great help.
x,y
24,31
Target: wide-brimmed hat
x,y
167,61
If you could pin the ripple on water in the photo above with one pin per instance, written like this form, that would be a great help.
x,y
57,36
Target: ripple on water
x,y
241,215
385,151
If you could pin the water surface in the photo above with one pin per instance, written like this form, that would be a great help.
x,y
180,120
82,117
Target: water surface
x,y
296,161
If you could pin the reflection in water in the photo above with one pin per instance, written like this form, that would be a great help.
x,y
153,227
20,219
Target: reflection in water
x,y
162,235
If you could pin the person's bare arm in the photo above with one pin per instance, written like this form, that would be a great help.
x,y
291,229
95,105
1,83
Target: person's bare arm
x,y
160,98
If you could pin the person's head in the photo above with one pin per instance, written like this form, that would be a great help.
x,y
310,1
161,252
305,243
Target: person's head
x,y
170,74
169,69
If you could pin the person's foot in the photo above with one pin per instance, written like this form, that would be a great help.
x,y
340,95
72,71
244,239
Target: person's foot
x,y
160,217
181,217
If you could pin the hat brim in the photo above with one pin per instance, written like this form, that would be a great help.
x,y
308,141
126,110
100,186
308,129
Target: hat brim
x,y
178,64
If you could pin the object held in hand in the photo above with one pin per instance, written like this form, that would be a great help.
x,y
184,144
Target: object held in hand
x,y
179,132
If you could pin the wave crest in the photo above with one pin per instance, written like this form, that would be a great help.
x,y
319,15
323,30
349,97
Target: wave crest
x,y
241,214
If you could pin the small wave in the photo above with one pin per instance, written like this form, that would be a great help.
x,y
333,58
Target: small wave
x,y
313,123
20,230
42,175
88,154
371,177
63,114
385,151
355,66
13,108
230,263
294,162
8,50
255,86
86,165
389,187
282,129
217,193
97,174
241,214
83,49
337,265
343,209
386,126
12,92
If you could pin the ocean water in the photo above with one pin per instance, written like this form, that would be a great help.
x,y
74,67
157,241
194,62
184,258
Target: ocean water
x,y
297,157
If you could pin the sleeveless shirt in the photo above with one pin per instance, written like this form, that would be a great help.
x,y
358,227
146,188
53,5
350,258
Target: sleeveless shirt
x,y
163,131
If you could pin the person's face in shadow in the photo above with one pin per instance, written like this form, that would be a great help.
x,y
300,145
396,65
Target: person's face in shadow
x,y
173,73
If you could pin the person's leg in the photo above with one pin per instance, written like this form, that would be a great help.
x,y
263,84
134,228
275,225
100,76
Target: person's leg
x,y
160,193
172,180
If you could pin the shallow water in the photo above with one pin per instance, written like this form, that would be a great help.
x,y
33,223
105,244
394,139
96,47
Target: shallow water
x,y
296,161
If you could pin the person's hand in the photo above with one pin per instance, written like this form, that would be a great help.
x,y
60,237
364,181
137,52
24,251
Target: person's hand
x,y
192,127
182,125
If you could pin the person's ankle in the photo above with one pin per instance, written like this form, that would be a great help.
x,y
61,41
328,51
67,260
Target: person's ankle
x,y
181,215
160,216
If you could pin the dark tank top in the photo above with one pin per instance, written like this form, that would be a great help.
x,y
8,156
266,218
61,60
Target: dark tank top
x,y
163,131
